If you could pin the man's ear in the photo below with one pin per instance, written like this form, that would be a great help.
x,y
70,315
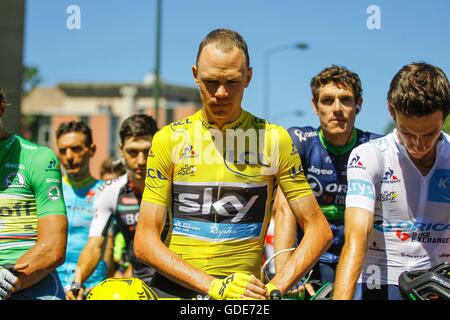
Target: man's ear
x,y
249,76
314,106
391,111
92,150
195,74
358,105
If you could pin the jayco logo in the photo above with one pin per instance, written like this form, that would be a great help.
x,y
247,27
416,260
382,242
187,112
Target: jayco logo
x,y
302,136
389,177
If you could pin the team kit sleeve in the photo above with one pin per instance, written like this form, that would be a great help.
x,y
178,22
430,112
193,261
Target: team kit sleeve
x,y
104,204
158,180
46,183
290,173
362,170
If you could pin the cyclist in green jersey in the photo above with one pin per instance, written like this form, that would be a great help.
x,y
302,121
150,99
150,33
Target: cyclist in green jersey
x,y
33,223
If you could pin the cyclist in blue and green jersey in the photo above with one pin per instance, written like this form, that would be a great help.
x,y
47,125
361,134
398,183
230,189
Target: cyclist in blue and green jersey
x,y
336,99
76,148
33,222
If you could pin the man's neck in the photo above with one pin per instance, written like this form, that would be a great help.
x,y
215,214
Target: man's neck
x,y
340,139
79,178
138,184
219,123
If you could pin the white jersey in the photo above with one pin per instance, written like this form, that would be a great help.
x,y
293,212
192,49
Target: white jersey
x,y
105,205
411,212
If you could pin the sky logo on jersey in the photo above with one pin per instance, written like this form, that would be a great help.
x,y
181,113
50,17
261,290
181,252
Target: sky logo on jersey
x,y
355,163
439,187
357,187
224,204
14,180
390,177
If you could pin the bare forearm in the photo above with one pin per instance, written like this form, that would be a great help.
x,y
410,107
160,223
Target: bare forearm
x,y
313,244
348,271
285,234
42,259
87,262
156,254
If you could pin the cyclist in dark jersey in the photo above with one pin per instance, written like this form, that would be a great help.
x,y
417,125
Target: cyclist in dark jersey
x,y
119,199
324,153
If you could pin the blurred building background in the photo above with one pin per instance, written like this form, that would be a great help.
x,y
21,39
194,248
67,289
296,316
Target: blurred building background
x,y
103,106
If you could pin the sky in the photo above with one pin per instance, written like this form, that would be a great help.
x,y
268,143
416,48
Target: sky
x,y
116,43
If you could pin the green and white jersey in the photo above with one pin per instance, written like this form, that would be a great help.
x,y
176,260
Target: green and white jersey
x,y
30,188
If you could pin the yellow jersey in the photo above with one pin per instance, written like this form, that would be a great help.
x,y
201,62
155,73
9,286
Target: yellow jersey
x,y
219,186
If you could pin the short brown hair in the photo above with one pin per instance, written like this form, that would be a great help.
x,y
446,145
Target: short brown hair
x,y
112,166
225,39
419,89
341,77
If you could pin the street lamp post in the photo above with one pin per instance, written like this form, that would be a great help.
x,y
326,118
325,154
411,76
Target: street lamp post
x,y
157,83
267,55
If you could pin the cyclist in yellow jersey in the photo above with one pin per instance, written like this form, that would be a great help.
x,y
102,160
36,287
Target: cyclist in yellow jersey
x,y
214,175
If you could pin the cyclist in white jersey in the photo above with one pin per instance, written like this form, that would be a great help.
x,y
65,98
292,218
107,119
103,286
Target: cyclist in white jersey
x,y
398,198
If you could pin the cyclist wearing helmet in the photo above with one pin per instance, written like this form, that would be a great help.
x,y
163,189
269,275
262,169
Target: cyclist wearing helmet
x,y
219,190
33,222
398,199
336,99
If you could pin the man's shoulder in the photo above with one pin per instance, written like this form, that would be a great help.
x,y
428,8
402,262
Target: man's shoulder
x,y
304,137
109,185
181,125
365,136
373,150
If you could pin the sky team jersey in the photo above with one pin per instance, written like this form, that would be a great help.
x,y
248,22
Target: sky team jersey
x,y
30,188
219,186
79,199
325,168
411,212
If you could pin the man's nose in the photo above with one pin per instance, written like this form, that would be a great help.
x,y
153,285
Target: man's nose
x,y
221,92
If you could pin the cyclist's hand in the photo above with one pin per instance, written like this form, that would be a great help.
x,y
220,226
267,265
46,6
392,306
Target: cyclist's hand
x,y
9,283
237,286
76,292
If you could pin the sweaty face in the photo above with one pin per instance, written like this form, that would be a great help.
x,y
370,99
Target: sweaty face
x,y
222,77
74,154
135,151
419,134
336,108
